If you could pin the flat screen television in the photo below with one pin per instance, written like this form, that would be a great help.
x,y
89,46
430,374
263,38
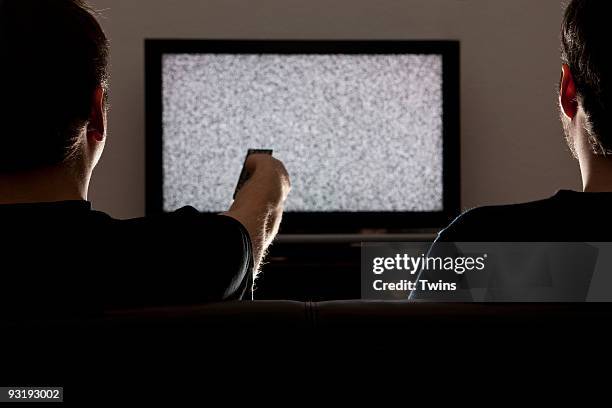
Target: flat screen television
x,y
368,130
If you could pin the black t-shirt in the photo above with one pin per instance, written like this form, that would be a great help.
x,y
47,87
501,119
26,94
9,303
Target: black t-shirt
x,y
63,258
568,216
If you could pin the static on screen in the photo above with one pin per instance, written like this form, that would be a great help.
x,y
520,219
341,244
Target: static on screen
x,y
356,132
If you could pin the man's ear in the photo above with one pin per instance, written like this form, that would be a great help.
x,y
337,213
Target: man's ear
x,y
567,94
97,118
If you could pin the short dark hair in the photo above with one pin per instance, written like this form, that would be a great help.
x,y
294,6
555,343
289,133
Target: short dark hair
x,y
53,56
585,48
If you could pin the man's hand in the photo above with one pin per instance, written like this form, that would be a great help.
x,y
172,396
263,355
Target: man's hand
x,y
260,202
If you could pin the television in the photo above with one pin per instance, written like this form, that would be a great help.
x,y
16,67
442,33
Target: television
x,y
368,130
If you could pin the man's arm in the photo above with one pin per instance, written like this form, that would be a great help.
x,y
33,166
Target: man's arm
x,y
260,202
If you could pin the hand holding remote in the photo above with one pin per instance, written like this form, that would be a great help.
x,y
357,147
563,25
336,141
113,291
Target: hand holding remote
x,y
259,201
244,173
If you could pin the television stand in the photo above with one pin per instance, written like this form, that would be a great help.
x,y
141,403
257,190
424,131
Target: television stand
x,y
416,236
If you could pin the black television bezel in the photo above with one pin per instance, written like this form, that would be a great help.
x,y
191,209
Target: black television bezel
x,y
316,222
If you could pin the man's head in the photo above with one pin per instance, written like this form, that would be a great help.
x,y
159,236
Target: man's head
x,y
53,76
586,82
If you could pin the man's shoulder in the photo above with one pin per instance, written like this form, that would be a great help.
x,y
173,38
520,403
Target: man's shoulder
x,y
499,222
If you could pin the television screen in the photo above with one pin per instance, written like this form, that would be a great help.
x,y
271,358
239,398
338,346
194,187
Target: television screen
x,y
359,131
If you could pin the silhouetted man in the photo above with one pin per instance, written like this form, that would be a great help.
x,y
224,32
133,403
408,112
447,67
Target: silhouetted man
x,y
58,255
585,102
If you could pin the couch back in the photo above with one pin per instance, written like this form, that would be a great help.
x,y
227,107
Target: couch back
x,y
245,339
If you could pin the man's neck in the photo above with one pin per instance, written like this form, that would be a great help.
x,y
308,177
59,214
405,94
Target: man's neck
x,y
597,174
50,184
